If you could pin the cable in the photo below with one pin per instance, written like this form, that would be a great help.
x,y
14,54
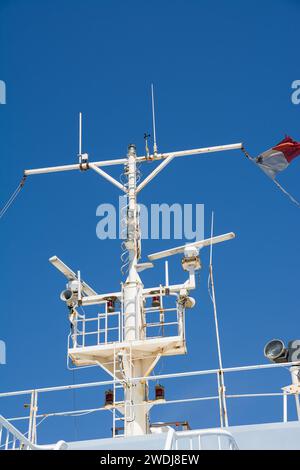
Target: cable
x,y
12,197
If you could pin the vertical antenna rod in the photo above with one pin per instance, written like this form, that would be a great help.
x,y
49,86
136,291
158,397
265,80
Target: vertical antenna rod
x,y
167,273
153,121
221,383
80,134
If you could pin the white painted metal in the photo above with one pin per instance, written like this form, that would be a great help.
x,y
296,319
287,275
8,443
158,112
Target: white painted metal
x,y
155,378
221,381
199,244
142,266
80,134
193,440
107,177
123,161
70,275
133,300
137,353
285,412
167,273
154,173
14,439
295,374
153,121
32,417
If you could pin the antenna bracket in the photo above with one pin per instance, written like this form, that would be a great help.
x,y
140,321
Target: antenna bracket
x,y
83,161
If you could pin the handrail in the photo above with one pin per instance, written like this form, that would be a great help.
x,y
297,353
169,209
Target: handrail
x,y
151,378
24,443
173,401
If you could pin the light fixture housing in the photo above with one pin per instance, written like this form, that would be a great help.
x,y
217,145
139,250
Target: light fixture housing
x,y
276,351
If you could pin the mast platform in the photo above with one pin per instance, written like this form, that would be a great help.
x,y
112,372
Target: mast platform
x,y
140,349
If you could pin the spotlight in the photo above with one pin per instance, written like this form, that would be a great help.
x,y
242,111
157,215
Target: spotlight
x,y
70,294
190,302
276,351
67,295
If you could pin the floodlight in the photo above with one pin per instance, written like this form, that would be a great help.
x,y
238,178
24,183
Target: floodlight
x,y
69,297
190,302
276,351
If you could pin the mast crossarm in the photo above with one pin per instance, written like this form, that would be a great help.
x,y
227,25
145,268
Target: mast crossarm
x,y
198,151
100,298
122,161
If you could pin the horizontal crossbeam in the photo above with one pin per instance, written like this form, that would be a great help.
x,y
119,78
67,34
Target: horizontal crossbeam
x,y
123,161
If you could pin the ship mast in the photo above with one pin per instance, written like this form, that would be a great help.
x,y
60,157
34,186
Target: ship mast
x,y
135,393
135,352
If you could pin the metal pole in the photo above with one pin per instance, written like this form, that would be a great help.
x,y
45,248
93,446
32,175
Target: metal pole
x,y
136,417
167,273
221,382
295,374
285,416
153,121
80,134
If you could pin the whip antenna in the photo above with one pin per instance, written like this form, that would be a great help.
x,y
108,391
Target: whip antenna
x,y
83,157
153,121
211,290
80,134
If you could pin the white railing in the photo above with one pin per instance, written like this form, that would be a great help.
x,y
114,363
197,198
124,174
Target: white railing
x,y
213,439
108,327
34,415
12,439
92,331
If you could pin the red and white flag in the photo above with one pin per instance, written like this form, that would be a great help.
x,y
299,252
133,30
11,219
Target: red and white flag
x,y
279,157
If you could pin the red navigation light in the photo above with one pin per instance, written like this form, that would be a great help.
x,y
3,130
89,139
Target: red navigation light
x,y
111,305
156,301
109,397
159,392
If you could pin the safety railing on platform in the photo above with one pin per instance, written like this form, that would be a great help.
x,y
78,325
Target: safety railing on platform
x,y
103,329
108,327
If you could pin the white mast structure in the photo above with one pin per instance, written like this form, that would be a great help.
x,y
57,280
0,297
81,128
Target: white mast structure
x,y
133,354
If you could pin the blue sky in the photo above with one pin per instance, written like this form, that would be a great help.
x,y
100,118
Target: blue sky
x,y
223,73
